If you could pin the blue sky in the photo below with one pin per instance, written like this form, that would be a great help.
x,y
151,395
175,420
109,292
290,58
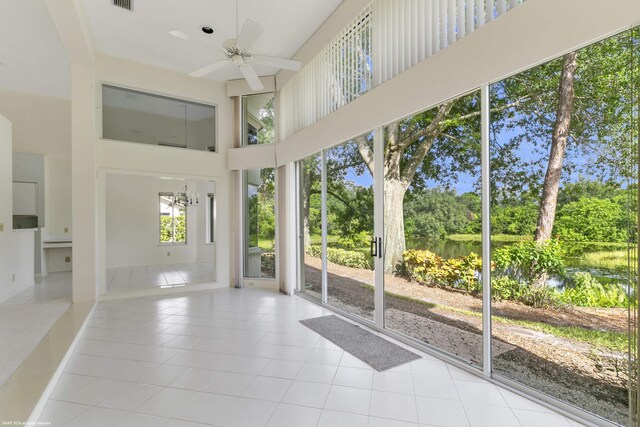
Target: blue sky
x,y
466,182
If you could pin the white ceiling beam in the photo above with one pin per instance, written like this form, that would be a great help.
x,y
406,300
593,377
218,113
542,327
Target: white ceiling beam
x,y
69,19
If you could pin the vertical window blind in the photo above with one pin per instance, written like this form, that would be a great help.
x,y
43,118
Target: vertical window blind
x,y
386,38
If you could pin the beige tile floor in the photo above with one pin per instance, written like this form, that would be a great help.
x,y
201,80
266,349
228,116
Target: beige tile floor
x,y
239,357
158,276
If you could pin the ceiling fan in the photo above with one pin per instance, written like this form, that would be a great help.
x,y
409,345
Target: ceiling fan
x,y
238,52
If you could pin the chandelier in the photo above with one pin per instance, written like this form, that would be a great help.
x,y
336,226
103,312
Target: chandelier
x,y
192,199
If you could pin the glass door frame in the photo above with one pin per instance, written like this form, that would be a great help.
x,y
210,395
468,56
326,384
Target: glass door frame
x,y
486,371
378,232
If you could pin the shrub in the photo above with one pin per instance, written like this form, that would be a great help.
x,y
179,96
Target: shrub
x,y
506,288
518,220
427,267
591,219
529,262
358,240
343,257
585,291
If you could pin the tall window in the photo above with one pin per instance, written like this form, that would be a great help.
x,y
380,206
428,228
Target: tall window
x,y
173,217
260,224
211,217
258,113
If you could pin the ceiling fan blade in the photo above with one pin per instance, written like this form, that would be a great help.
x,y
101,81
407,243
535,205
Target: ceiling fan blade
x,y
270,61
252,78
209,68
251,30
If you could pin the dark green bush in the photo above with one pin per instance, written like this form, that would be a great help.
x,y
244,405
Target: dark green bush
x,y
343,257
585,291
591,220
530,262
505,288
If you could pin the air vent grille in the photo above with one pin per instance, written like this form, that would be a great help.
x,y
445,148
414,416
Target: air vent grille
x,y
125,4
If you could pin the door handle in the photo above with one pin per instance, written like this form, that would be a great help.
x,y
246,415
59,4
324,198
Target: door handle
x,y
374,247
379,247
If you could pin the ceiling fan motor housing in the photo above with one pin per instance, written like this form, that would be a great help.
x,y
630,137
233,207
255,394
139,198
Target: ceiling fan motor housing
x,y
237,55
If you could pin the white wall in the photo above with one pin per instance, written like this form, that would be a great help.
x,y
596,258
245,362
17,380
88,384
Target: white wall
x,y
42,125
167,161
57,195
133,224
6,209
16,248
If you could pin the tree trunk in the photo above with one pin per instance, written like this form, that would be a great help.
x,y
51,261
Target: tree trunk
x,y
394,242
549,200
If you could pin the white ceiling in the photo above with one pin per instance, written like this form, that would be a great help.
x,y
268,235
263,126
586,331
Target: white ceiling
x,y
32,57
33,60
142,35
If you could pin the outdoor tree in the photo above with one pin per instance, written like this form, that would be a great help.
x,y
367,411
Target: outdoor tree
x,y
575,107
437,144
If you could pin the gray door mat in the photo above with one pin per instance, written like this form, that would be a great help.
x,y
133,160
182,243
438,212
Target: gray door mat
x,y
373,350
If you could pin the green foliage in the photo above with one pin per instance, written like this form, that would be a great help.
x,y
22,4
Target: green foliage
x,y
524,108
359,240
585,291
343,257
181,228
506,288
574,191
166,229
611,259
517,220
432,214
261,219
528,262
350,212
427,267
591,219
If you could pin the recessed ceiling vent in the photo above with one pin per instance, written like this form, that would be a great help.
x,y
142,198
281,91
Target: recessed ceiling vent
x,y
125,4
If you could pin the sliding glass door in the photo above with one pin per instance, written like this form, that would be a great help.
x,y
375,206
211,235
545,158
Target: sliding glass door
x,y
350,246
310,226
564,166
498,228
432,236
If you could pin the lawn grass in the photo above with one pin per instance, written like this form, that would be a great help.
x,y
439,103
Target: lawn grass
x,y
266,244
606,259
494,237
317,239
606,340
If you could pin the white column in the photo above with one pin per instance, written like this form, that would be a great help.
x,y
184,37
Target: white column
x,y
83,183
486,235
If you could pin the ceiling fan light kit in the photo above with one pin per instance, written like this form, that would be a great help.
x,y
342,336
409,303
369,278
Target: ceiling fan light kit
x,y
238,52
